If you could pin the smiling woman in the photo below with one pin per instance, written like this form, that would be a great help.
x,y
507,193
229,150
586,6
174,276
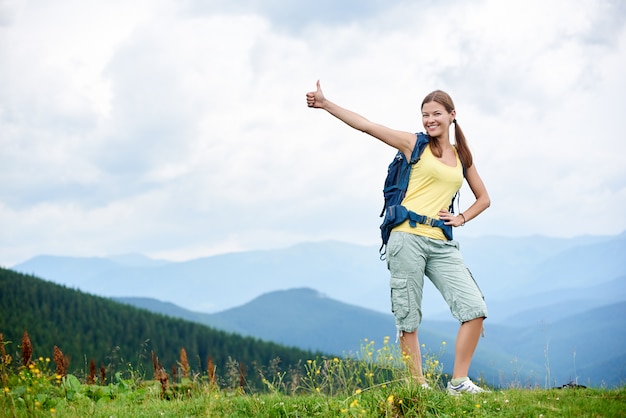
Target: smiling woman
x,y
420,243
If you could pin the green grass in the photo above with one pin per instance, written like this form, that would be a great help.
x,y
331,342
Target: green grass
x,y
393,401
372,383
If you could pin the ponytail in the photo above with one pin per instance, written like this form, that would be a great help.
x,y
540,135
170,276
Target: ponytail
x,y
465,155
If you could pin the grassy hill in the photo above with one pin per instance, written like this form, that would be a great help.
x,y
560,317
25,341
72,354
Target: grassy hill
x,y
88,327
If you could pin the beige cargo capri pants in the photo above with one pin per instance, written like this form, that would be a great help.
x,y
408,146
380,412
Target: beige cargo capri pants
x,y
409,258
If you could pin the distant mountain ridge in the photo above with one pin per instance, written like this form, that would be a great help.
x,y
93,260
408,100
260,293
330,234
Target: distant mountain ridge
x,y
508,271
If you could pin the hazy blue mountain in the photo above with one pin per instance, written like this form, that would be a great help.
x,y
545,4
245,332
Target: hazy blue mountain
x,y
570,347
587,346
549,306
527,265
347,272
519,276
136,260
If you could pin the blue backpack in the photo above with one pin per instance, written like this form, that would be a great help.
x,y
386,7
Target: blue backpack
x,y
394,191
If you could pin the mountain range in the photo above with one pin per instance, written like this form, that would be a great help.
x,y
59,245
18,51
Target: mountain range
x,y
556,304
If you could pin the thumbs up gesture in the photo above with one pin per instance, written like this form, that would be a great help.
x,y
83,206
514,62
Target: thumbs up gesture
x,y
315,98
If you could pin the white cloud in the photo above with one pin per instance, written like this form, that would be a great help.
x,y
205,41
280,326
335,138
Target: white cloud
x,y
178,129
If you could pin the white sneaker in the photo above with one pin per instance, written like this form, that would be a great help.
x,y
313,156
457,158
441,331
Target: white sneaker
x,y
465,387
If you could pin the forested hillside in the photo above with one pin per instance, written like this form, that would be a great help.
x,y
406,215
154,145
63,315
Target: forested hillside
x,y
88,327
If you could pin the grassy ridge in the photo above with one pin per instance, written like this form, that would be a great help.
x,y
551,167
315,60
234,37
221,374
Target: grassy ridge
x,y
392,402
35,390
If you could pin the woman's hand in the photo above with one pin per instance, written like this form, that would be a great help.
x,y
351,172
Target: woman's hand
x,y
316,98
451,219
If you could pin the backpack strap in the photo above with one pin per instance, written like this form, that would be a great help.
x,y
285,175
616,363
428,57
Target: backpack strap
x,y
420,145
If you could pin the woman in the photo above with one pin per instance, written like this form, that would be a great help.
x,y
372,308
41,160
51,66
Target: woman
x,y
415,251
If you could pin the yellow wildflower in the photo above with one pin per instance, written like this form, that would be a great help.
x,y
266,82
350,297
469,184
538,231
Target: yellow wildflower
x,y
390,399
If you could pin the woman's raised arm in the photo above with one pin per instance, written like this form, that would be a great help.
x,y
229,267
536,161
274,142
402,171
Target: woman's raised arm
x,y
401,140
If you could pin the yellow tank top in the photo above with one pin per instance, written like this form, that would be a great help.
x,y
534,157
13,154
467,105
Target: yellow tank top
x,y
432,185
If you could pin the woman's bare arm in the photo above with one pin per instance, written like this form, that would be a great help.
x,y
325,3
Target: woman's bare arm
x,y
401,140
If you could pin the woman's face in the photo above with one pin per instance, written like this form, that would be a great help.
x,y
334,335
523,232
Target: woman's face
x,y
436,119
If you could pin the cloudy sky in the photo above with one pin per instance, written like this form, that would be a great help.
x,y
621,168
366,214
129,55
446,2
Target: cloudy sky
x,y
179,129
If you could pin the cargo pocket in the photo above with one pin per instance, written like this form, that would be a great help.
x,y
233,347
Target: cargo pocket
x,y
395,244
399,297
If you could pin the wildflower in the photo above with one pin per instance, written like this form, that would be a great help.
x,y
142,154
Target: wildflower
x,y
443,343
354,403
27,349
477,405
336,360
390,399
52,410
309,361
62,361
47,359
6,390
358,391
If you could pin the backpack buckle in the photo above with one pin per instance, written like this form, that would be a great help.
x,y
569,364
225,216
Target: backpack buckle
x,y
428,221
